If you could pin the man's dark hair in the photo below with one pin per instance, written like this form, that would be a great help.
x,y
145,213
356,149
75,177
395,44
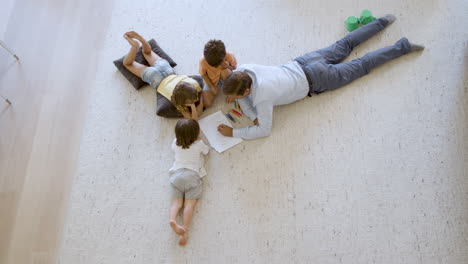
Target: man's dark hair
x,y
237,83
214,52
187,131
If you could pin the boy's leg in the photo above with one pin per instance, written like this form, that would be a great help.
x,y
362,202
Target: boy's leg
x,y
148,53
129,60
343,47
189,207
208,98
175,208
329,77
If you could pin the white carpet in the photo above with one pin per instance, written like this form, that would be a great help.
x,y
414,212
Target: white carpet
x,y
375,172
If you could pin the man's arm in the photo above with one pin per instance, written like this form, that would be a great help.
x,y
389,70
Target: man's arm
x,y
247,108
263,129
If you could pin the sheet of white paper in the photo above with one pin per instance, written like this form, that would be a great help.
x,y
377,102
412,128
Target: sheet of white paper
x,y
209,126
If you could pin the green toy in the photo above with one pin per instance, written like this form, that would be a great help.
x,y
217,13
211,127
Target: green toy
x,y
353,22
366,17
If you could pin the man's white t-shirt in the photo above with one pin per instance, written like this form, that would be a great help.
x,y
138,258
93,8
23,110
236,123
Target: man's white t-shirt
x,y
271,86
190,158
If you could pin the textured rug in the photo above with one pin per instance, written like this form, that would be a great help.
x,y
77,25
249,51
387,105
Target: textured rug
x,y
372,172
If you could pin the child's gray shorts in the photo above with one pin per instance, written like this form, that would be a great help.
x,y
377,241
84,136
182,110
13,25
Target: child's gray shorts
x,y
186,182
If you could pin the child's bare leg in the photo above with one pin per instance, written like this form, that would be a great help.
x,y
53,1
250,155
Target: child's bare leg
x,y
208,98
129,60
189,206
148,53
175,208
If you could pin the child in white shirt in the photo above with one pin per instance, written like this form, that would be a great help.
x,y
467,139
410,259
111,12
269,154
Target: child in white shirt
x,y
186,174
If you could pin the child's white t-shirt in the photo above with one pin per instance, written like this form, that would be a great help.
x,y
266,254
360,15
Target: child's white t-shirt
x,y
190,158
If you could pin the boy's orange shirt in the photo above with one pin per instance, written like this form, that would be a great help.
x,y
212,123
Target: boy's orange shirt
x,y
214,73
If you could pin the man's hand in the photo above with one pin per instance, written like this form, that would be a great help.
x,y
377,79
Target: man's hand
x,y
225,130
256,121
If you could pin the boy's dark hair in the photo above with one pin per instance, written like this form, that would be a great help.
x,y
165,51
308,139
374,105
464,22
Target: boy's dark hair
x,y
214,52
237,83
182,92
187,131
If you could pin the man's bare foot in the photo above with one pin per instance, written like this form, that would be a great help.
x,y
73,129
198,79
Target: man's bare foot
x,y
131,41
183,239
177,228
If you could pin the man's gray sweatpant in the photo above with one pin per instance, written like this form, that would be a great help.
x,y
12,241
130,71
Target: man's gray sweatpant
x,y
324,70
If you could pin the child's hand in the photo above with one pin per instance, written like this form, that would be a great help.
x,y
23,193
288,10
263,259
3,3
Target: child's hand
x,y
200,107
186,115
225,130
225,74
224,65
192,106
193,110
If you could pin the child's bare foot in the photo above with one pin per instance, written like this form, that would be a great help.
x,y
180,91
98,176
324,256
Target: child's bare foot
x,y
133,34
183,239
177,228
131,41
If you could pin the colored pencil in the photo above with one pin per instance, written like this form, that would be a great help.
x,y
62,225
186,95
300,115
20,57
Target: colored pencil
x,y
236,118
230,117
236,113
233,112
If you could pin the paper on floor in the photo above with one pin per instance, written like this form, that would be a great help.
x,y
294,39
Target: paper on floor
x,y
209,126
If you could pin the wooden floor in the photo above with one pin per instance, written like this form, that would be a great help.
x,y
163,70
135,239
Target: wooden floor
x,y
40,132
